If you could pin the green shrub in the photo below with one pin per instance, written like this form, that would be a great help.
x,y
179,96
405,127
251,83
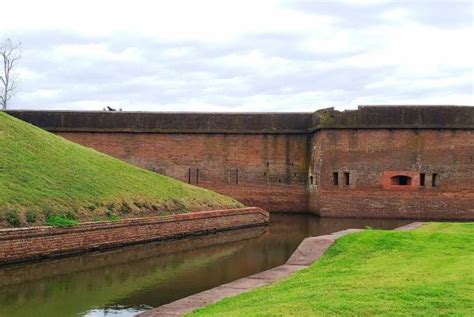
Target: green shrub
x,y
110,207
125,208
61,221
183,210
30,216
13,218
112,216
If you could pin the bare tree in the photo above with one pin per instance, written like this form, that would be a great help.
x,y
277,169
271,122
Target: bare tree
x,y
10,52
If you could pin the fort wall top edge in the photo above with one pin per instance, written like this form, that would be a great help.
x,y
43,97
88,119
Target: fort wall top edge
x,y
365,117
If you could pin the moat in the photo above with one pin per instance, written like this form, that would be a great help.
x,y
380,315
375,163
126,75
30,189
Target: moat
x,y
126,281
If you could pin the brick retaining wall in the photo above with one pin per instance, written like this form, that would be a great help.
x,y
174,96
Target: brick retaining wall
x,y
23,244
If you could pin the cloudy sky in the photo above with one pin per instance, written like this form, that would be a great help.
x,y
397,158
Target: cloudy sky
x,y
241,55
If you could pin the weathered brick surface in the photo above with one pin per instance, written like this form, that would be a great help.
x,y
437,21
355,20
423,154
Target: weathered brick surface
x,y
372,157
264,170
286,162
39,242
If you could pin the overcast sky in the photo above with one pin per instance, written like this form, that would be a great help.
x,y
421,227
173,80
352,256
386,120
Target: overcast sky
x,y
240,55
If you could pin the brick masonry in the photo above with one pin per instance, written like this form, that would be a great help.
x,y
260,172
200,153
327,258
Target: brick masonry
x,y
264,170
331,163
373,159
23,244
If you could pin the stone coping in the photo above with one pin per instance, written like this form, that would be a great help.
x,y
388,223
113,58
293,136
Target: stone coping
x,y
365,117
309,251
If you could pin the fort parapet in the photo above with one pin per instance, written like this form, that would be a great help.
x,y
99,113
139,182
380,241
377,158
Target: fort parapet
x,y
376,161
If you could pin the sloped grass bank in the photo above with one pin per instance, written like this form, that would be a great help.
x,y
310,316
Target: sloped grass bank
x,y
426,272
43,176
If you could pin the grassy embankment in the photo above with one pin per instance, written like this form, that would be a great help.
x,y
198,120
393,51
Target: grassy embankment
x,y
47,179
426,272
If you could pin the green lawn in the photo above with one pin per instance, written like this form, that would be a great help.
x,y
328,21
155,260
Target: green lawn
x,y
426,272
43,174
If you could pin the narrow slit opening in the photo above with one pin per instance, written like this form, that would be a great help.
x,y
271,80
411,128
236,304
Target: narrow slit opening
x,y
434,180
346,179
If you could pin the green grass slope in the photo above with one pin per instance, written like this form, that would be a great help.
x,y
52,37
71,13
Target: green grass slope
x,y
426,272
43,176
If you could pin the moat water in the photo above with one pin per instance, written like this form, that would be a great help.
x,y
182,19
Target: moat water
x,y
130,280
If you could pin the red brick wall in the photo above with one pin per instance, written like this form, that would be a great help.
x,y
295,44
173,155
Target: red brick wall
x,y
40,242
264,170
372,156
286,161
273,171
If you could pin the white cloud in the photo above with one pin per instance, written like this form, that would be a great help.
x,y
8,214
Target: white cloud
x,y
26,73
206,20
418,47
258,62
436,82
96,52
365,2
241,55
41,93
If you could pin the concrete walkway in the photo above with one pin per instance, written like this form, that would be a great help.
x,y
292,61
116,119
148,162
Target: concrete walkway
x,y
309,250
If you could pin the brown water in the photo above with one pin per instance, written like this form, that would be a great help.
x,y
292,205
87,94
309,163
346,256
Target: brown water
x,y
129,280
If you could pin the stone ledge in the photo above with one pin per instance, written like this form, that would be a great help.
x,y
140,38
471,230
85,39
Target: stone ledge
x,y
365,117
410,226
309,251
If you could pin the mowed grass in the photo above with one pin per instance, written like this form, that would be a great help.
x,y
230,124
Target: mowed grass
x,y
426,272
42,174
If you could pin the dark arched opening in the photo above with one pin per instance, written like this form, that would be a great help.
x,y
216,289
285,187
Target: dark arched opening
x,y
401,180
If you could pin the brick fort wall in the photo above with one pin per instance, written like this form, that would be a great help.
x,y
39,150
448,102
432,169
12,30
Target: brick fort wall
x,y
407,173
376,161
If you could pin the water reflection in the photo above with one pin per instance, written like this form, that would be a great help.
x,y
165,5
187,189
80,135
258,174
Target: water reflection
x,y
125,281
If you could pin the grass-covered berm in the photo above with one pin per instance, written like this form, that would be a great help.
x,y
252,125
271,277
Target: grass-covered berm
x,y
425,272
47,179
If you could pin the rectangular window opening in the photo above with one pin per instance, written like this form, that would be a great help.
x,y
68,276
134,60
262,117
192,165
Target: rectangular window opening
x,y
346,179
197,175
422,179
335,178
434,180
236,177
189,176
